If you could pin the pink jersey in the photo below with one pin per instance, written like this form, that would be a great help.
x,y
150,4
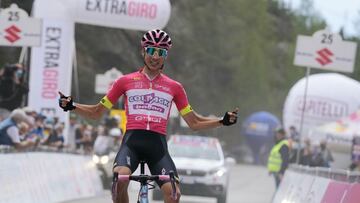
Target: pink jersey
x,y
147,102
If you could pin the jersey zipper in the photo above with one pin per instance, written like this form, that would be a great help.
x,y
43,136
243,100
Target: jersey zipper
x,y
148,116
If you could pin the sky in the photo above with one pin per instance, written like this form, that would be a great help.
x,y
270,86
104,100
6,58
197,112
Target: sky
x,y
337,13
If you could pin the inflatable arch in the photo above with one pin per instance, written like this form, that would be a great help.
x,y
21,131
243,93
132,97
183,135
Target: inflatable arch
x,y
331,96
51,63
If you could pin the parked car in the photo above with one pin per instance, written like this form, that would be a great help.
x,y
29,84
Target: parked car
x,y
202,168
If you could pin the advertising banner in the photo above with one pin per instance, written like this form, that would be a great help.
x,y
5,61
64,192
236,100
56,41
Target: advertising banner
x,y
330,98
336,192
128,14
17,29
289,189
317,190
51,68
325,50
354,194
51,64
30,177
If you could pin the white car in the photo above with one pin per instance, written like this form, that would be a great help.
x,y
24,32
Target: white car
x,y
202,168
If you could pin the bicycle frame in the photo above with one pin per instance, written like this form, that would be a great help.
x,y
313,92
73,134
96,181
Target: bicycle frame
x,y
145,180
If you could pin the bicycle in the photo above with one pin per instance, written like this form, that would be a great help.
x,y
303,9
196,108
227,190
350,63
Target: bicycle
x,y
145,182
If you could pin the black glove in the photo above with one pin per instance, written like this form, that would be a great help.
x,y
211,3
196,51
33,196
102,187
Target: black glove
x,y
226,119
69,106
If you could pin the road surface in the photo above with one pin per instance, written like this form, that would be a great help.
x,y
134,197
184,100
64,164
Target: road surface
x,y
248,184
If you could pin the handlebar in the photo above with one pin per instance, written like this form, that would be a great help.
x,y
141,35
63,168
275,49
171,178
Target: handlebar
x,y
146,178
141,178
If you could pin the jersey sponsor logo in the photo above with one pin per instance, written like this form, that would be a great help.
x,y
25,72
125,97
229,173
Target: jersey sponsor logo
x,y
149,107
138,84
157,86
150,99
146,118
149,102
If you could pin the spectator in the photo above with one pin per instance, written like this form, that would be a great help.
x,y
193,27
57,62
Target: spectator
x,y
88,139
37,131
112,128
294,134
70,140
79,136
279,157
31,113
355,153
12,86
306,153
322,156
23,130
83,138
103,142
117,136
9,131
56,138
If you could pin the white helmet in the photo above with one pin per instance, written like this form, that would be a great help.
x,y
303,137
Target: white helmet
x,y
115,132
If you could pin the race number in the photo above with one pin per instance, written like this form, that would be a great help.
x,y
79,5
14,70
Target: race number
x,y
327,38
13,16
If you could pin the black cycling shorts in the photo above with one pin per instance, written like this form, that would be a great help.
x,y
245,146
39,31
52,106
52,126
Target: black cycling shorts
x,y
148,146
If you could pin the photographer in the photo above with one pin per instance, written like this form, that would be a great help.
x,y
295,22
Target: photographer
x,y
12,86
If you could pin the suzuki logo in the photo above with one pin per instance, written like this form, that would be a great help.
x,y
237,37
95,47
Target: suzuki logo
x,y
324,56
12,34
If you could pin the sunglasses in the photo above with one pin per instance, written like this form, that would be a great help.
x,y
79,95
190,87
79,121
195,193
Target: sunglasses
x,y
151,51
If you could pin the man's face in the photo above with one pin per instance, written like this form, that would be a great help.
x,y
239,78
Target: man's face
x,y
155,57
279,136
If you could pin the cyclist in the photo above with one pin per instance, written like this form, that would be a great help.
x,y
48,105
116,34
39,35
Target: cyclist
x,y
148,97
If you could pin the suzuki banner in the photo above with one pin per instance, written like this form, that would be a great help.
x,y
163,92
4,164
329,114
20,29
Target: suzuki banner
x,y
17,29
325,50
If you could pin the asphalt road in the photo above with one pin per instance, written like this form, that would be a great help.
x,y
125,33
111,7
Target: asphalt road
x,y
248,184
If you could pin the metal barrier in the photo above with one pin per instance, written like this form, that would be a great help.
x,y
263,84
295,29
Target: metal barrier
x,y
334,174
47,177
4,149
318,184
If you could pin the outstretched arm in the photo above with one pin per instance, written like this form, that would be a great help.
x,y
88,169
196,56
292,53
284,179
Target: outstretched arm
x,y
90,111
198,122
87,111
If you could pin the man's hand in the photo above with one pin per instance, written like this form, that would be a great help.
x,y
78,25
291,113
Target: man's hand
x,y
66,102
230,117
281,176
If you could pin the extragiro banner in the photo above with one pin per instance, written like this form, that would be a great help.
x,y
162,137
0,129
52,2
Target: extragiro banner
x,y
51,64
128,14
